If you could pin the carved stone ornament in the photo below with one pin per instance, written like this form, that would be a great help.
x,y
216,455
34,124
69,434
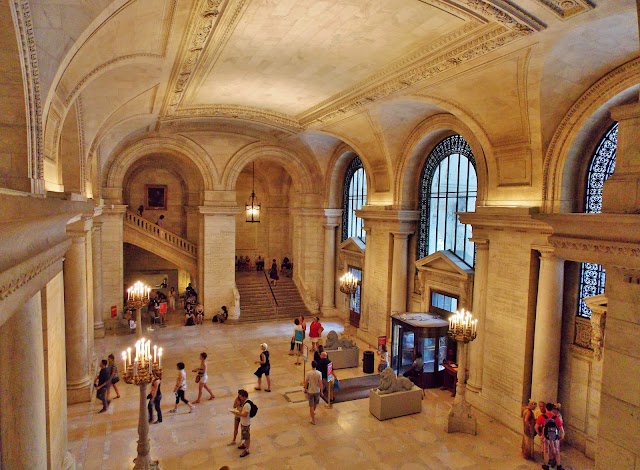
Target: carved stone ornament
x,y
598,306
583,333
567,8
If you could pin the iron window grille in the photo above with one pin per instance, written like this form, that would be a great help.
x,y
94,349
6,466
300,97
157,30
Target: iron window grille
x,y
354,196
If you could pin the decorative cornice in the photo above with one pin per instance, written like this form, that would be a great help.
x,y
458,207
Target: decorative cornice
x,y
567,8
18,276
271,118
31,78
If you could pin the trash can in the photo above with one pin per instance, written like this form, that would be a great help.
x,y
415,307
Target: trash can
x,y
368,359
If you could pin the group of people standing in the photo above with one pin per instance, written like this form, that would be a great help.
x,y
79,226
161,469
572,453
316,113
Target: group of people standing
x,y
544,421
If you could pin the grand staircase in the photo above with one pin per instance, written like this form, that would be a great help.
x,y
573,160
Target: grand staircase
x,y
140,232
257,302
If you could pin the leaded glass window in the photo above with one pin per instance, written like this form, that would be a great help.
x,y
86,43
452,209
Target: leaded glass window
x,y
603,162
448,184
354,196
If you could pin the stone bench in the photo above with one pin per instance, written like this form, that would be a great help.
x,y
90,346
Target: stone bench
x,y
344,358
394,405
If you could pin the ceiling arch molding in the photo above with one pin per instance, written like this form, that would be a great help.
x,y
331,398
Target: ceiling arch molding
x,y
304,171
338,163
563,147
420,143
176,146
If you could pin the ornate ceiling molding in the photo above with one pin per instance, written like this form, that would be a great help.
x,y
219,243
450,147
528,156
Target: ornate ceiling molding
x,y
279,120
491,39
204,18
567,8
31,77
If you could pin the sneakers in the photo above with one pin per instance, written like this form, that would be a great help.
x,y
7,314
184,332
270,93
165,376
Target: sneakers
x,y
242,446
103,410
173,411
245,453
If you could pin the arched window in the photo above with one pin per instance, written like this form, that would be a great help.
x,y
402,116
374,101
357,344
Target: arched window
x,y
354,196
448,184
603,162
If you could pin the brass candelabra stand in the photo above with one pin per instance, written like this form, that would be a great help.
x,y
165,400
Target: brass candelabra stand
x,y
141,372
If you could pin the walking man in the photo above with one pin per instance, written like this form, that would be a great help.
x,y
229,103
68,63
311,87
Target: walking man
x,y
104,381
313,389
245,421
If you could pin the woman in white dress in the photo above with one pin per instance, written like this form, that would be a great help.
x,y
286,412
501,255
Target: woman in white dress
x,y
203,378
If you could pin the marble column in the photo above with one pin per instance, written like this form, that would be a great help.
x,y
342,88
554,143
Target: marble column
x,y
329,270
399,272
112,236
548,328
476,348
75,304
23,427
88,246
96,239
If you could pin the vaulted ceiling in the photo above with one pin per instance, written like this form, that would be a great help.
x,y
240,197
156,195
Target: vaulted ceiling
x,y
303,67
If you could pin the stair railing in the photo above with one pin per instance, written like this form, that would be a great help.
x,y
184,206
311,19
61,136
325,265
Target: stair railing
x,y
159,232
274,302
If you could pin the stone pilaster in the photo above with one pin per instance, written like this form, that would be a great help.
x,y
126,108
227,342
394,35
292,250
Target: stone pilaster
x,y
548,328
112,234
216,256
88,246
76,319
308,248
399,272
23,427
329,272
98,309
476,348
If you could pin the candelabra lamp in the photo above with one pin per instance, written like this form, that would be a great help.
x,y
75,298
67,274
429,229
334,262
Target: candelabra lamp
x,y
138,297
463,329
348,286
140,371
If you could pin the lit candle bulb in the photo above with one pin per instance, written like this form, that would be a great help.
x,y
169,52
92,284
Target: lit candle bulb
x,y
129,355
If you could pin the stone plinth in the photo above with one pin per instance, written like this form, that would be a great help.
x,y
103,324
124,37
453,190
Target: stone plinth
x,y
394,405
461,419
344,358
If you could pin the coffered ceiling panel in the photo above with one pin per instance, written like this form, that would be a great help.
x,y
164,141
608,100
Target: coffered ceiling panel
x,y
290,55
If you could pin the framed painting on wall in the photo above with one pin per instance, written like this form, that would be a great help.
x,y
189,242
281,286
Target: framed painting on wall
x,y
156,197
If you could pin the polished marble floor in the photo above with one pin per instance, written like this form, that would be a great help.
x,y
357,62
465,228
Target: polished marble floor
x,y
345,437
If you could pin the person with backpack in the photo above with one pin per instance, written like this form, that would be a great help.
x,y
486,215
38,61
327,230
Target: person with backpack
x,y
246,413
549,427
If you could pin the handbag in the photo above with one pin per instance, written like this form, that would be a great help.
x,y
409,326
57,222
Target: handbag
x,y
115,379
198,378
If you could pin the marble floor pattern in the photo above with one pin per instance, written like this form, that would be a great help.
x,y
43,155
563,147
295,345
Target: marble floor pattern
x,y
345,437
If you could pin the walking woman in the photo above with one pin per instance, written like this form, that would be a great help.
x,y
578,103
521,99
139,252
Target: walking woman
x,y
113,375
181,388
265,368
203,378
529,430
154,400
172,299
273,273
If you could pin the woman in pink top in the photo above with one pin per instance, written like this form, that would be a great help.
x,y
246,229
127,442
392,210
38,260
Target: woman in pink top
x,y
315,331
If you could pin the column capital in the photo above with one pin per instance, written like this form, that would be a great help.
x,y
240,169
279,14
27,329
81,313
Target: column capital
x,y
401,235
546,251
333,216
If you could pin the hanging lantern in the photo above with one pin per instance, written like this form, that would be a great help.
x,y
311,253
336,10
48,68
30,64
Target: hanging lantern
x,y
252,207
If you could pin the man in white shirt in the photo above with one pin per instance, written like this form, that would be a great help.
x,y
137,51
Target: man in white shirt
x,y
245,421
313,389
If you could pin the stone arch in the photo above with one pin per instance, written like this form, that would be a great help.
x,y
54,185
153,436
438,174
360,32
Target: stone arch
x,y
420,143
338,163
375,166
569,142
304,172
178,147
20,141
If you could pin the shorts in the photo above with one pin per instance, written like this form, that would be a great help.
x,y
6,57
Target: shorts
x,y
245,432
314,399
263,370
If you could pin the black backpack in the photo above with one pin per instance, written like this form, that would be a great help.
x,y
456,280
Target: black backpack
x,y
551,432
254,409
